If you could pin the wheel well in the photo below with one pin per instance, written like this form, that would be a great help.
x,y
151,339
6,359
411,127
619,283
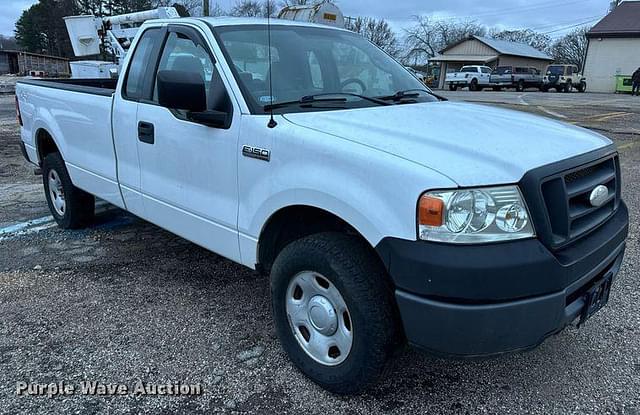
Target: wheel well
x,y
45,144
292,223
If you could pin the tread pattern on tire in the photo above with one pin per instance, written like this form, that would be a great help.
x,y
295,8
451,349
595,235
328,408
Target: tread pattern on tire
x,y
79,205
367,285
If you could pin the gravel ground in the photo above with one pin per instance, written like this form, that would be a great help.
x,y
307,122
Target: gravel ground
x,y
125,301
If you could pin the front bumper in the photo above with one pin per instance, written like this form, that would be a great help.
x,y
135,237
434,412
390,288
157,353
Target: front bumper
x,y
497,298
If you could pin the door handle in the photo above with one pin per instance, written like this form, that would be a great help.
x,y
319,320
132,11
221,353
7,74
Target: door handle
x,y
146,132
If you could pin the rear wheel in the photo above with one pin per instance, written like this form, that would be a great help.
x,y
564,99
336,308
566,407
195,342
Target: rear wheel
x,y
333,310
520,86
71,207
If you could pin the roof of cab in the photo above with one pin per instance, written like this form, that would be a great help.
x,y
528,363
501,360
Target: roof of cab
x,y
243,21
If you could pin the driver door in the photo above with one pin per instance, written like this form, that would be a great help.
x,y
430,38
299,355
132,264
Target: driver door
x,y
189,170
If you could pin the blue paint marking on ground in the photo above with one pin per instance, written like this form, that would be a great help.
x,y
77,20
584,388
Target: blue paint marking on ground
x,y
18,227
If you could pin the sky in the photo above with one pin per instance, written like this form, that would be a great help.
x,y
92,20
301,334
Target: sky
x,y
553,16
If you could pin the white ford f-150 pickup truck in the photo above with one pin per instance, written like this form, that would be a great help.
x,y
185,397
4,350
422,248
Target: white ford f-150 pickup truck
x,y
382,213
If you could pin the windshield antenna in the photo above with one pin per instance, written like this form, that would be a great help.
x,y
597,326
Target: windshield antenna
x,y
272,122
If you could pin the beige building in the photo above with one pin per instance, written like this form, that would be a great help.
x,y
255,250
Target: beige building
x,y
613,48
477,50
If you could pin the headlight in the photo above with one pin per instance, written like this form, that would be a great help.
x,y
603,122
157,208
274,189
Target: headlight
x,y
468,216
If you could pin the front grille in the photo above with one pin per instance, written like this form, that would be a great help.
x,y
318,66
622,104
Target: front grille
x,y
567,199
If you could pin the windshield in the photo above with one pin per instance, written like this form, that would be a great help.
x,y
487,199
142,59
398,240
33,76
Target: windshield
x,y
555,70
310,61
503,70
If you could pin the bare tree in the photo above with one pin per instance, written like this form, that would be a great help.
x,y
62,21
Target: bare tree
x,y
537,40
377,32
429,36
287,3
8,43
247,8
571,48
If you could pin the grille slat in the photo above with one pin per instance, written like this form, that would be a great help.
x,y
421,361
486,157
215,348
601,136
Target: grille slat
x,y
566,196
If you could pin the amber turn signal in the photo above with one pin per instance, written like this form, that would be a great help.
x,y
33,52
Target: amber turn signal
x,y
430,211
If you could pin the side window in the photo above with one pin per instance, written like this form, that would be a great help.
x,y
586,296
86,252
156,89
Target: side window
x,y
486,70
139,62
182,54
569,70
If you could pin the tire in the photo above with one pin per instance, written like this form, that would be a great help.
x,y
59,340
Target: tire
x,y
568,87
473,86
453,87
347,264
520,86
582,87
544,89
72,208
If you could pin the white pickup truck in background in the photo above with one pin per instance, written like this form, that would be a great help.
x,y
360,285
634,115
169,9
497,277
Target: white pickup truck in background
x,y
383,214
475,77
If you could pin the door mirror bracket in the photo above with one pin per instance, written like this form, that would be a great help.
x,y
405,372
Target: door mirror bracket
x,y
211,118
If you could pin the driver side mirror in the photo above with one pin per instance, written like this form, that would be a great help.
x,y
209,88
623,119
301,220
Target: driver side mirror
x,y
182,90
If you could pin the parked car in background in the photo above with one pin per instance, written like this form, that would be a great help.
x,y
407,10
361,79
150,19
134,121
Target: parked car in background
x,y
475,77
516,77
563,78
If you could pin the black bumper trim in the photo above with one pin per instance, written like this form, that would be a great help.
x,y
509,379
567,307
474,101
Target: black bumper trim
x,y
466,331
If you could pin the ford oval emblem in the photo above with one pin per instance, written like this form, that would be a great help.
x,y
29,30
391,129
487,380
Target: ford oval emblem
x,y
599,196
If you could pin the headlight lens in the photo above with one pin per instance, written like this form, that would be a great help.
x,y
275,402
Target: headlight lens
x,y
469,216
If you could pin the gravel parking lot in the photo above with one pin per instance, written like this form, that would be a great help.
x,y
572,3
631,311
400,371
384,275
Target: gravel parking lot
x,y
125,301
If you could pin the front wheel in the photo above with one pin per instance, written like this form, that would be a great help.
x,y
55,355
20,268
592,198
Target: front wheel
x,y
582,87
72,208
520,86
474,85
453,87
334,311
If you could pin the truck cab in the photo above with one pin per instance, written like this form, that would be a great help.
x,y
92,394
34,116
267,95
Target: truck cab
x,y
382,214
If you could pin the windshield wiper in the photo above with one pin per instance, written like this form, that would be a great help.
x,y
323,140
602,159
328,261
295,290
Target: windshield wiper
x,y
410,93
309,100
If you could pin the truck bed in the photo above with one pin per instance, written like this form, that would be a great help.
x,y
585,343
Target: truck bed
x,y
105,87
76,114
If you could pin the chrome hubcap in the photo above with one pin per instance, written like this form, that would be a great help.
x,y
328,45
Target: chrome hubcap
x,y
319,318
56,192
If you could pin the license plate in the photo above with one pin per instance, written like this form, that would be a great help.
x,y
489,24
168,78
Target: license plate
x,y
596,298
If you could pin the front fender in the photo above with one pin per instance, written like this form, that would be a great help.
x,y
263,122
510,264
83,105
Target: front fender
x,y
373,191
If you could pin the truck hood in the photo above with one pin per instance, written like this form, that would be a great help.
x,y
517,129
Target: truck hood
x,y
471,144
